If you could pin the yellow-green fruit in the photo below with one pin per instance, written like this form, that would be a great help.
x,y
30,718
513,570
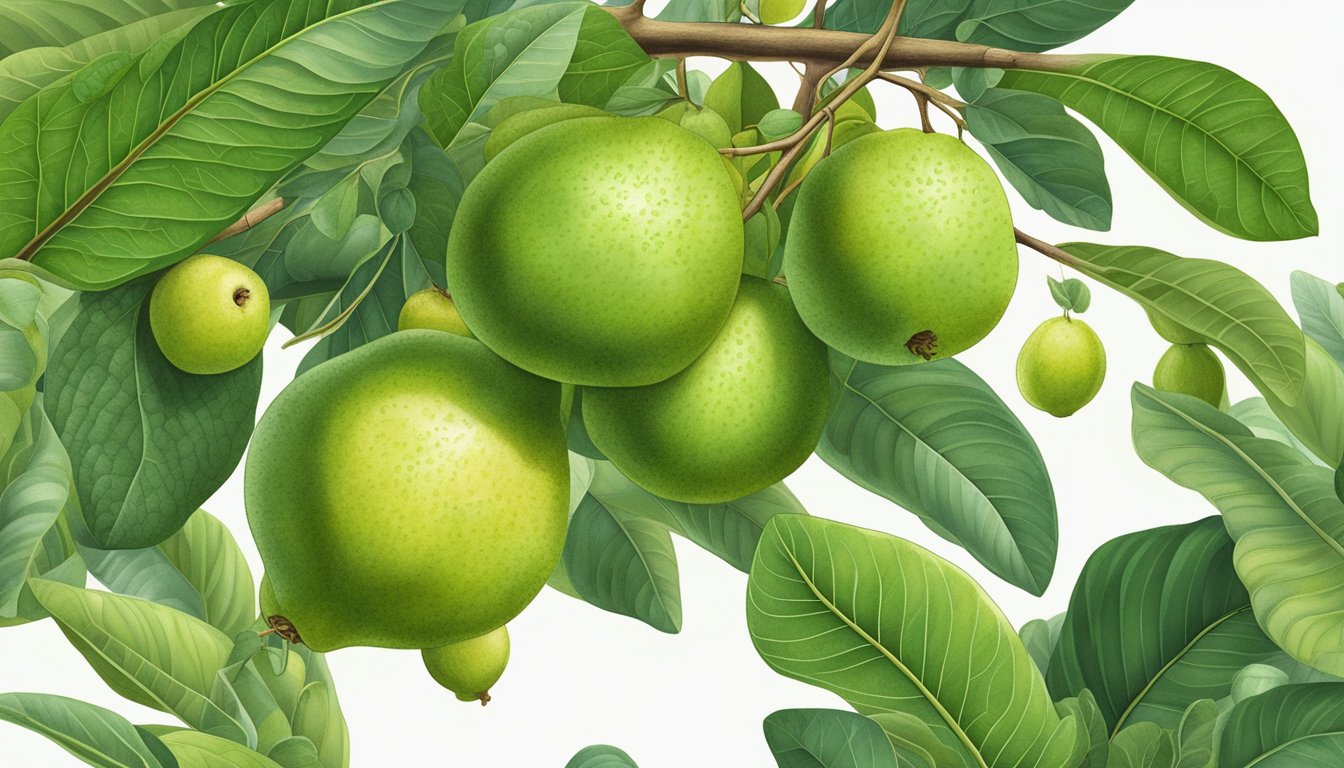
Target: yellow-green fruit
x,y
210,314
600,251
743,416
408,494
523,123
1191,369
1061,367
469,668
1170,329
431,309
901,248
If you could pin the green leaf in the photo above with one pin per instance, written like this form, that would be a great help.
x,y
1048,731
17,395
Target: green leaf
x,y
973,82
827,738
778,123
295,752
1224,306
1280,509
34,489
1040,636
1071,294
601,756
1215,142
1314,417
1321,308
889,627
1195,735
701,10
525,52
1157,621
199,570
605,58
778,11
729,530
96,736
936,440
1083,708
1143,745
148,442
916,745
1035,25
1292,726
148,653
741,96
318,717
93,224
1051,159
1255,413
26,24
27,72
201,750
624,564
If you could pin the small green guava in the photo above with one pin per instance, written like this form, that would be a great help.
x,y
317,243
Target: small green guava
x,y
1061,366
210,314
1192,369
469,668
431,309
1171,330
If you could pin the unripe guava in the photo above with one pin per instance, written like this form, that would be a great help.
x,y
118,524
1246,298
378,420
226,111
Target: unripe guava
x,y
431,309
901,248
469,668
210,314
1061,366
1192,369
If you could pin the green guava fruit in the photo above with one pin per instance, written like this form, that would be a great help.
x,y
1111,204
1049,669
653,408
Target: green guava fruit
x,y
431,309
517,126
1170,329
743,416
210,314
599,251
468,668
1191,369
901,248
408,494
1061,366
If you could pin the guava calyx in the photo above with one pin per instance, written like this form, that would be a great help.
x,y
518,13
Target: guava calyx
x,y
285,628
924,344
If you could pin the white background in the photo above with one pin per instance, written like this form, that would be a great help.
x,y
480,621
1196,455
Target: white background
x,y
580,676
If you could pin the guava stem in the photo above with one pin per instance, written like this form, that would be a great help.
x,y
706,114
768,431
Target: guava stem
x,y
250,219
284,628
241,296
1046,249
484,698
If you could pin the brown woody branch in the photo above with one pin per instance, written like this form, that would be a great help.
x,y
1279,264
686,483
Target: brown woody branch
x,y
1053,251
251,219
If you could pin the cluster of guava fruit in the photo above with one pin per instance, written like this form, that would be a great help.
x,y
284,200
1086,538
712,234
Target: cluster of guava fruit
x,y
413,493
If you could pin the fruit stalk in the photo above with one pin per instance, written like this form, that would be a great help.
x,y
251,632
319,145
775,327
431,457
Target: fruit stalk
x,y
251,219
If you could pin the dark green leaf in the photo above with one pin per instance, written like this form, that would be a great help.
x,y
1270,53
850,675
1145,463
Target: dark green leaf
x,y
1294,726
1083,708
26,24
1050,158
94,225
96,736
1035,25
148,443
936,440
605,58
890,627
972,82
1220,304
601,756
1143,745
827,738
1280,509
1157,621
1212,140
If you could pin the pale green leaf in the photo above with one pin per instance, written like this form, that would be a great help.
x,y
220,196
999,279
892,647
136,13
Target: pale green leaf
x,y
201,750
97,736
1321,307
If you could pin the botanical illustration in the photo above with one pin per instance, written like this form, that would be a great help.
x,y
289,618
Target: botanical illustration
x,y
566,295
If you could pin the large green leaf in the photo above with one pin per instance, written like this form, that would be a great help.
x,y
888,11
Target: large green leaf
x,y
148,653
1280,508
890,627
28,24
194,749
623,563
936,440
1321,308
34,489
605,58
1157,621
97,736
116,198
521,53
318,717
199,570
1219,303
1035,25
1292,726
1314,417
601,756
29,71
827,738
1255,413
1215,142
1051,158
148,442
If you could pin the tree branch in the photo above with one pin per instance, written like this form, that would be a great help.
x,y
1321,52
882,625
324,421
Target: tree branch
x,y
750,42
251,219
1054,252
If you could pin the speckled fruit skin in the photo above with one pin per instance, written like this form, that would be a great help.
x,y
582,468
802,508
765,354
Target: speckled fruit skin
x,y
431,309
408,494
1061,366
601,251
469,668
742,417
198,320
1191,369
896,234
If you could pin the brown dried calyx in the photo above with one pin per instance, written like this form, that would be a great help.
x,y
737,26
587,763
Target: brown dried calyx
x,y
241,296
924,344
284,628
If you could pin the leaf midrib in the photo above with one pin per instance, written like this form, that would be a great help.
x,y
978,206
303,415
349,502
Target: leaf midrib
x,y
117,171
947,717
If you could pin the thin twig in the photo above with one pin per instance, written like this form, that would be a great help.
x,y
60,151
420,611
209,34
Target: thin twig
x,y
682,89
819,15
1053,251
251,219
